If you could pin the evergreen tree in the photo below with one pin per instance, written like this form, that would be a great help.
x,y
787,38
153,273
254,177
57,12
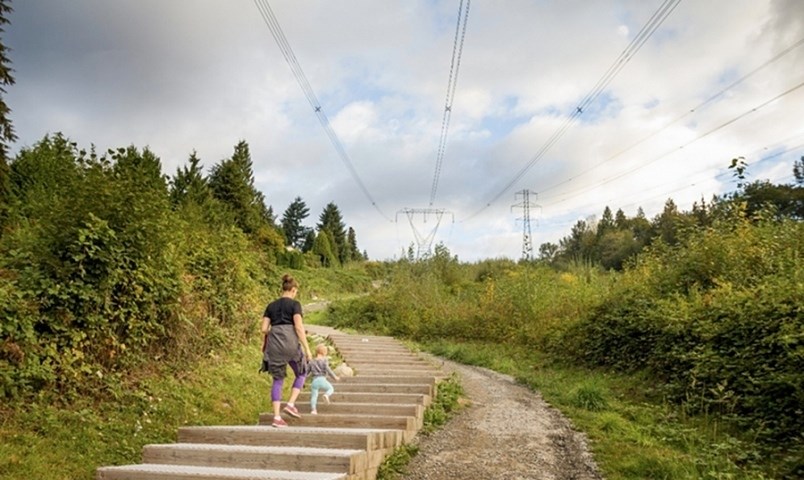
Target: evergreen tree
x,y
295,233
351,242
232,182
332,222
606,222
641,228
580,243
620,220
798,171
189,184
665,225
323,248
144,169
309,240
7,134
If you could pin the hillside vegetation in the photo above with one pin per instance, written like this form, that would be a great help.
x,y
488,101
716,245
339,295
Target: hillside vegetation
x,y
713,324
677,343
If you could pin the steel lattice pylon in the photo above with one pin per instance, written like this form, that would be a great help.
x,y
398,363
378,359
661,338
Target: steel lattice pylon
x,y
424,243
525,205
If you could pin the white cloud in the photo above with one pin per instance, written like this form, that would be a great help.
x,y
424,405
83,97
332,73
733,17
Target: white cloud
x,y
203,75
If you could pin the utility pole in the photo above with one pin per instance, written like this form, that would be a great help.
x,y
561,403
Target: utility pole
x,y
525,205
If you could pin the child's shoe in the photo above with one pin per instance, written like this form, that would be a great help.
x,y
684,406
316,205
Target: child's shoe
x,y
313,412
279,423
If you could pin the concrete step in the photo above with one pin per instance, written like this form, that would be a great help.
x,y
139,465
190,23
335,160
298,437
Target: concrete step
x,y
335,338
347,421
382,357
371,414
386,360
368,370
362,397
385,388
394,379
397,347
183,472
390,349
301,459
368,439
412,410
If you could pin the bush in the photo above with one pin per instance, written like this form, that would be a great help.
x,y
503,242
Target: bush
x,y
718,319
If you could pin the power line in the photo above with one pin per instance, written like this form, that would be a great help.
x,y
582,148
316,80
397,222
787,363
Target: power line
x,y
718,176
284,46
682,116
699,137
455,64
658,17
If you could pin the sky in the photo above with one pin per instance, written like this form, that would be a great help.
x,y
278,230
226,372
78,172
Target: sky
x,y
717,80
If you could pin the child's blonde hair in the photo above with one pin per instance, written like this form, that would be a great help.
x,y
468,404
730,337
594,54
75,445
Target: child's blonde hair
x,y
321,349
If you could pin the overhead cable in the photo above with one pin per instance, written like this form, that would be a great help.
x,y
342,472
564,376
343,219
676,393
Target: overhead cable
x,y
284,46
682,116
573,193
655,21
455,65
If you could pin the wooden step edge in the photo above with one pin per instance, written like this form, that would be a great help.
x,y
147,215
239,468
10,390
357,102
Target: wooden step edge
x,y
395,422
174,472
293,436
351,461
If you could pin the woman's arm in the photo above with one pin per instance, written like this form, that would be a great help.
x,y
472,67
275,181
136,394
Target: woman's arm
x,y
266,325
298,325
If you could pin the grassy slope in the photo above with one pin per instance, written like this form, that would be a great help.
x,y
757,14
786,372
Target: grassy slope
x,y
46,441
54,440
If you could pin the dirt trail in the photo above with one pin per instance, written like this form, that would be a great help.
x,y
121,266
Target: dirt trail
x,y
507,432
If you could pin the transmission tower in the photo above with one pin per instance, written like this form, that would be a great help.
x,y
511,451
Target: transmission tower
x,y
525,205
424,243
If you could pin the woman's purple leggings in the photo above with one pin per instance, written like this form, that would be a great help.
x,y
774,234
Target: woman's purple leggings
x,y
298,382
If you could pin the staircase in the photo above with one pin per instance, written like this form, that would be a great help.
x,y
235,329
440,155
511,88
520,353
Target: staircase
x,y
371,414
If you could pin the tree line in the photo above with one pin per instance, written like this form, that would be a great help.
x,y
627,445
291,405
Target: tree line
x,y
107,262
615,239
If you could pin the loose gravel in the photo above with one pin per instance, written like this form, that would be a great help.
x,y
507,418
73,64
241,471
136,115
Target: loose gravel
x,y
506,432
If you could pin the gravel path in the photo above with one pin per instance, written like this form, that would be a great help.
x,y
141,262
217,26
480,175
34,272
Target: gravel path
x,y
507,432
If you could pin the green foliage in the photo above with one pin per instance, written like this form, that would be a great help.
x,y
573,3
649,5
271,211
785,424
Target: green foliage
x,y
445,405
58,440
324,249
292,259
713,322
787,201
105,268
589,396
718,319
331,222
232,183
394,465
295,233
7,134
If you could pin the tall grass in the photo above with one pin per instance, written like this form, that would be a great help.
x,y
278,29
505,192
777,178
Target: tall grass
x,y
714,324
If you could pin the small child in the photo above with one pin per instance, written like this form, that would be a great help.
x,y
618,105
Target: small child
x,y
319,369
